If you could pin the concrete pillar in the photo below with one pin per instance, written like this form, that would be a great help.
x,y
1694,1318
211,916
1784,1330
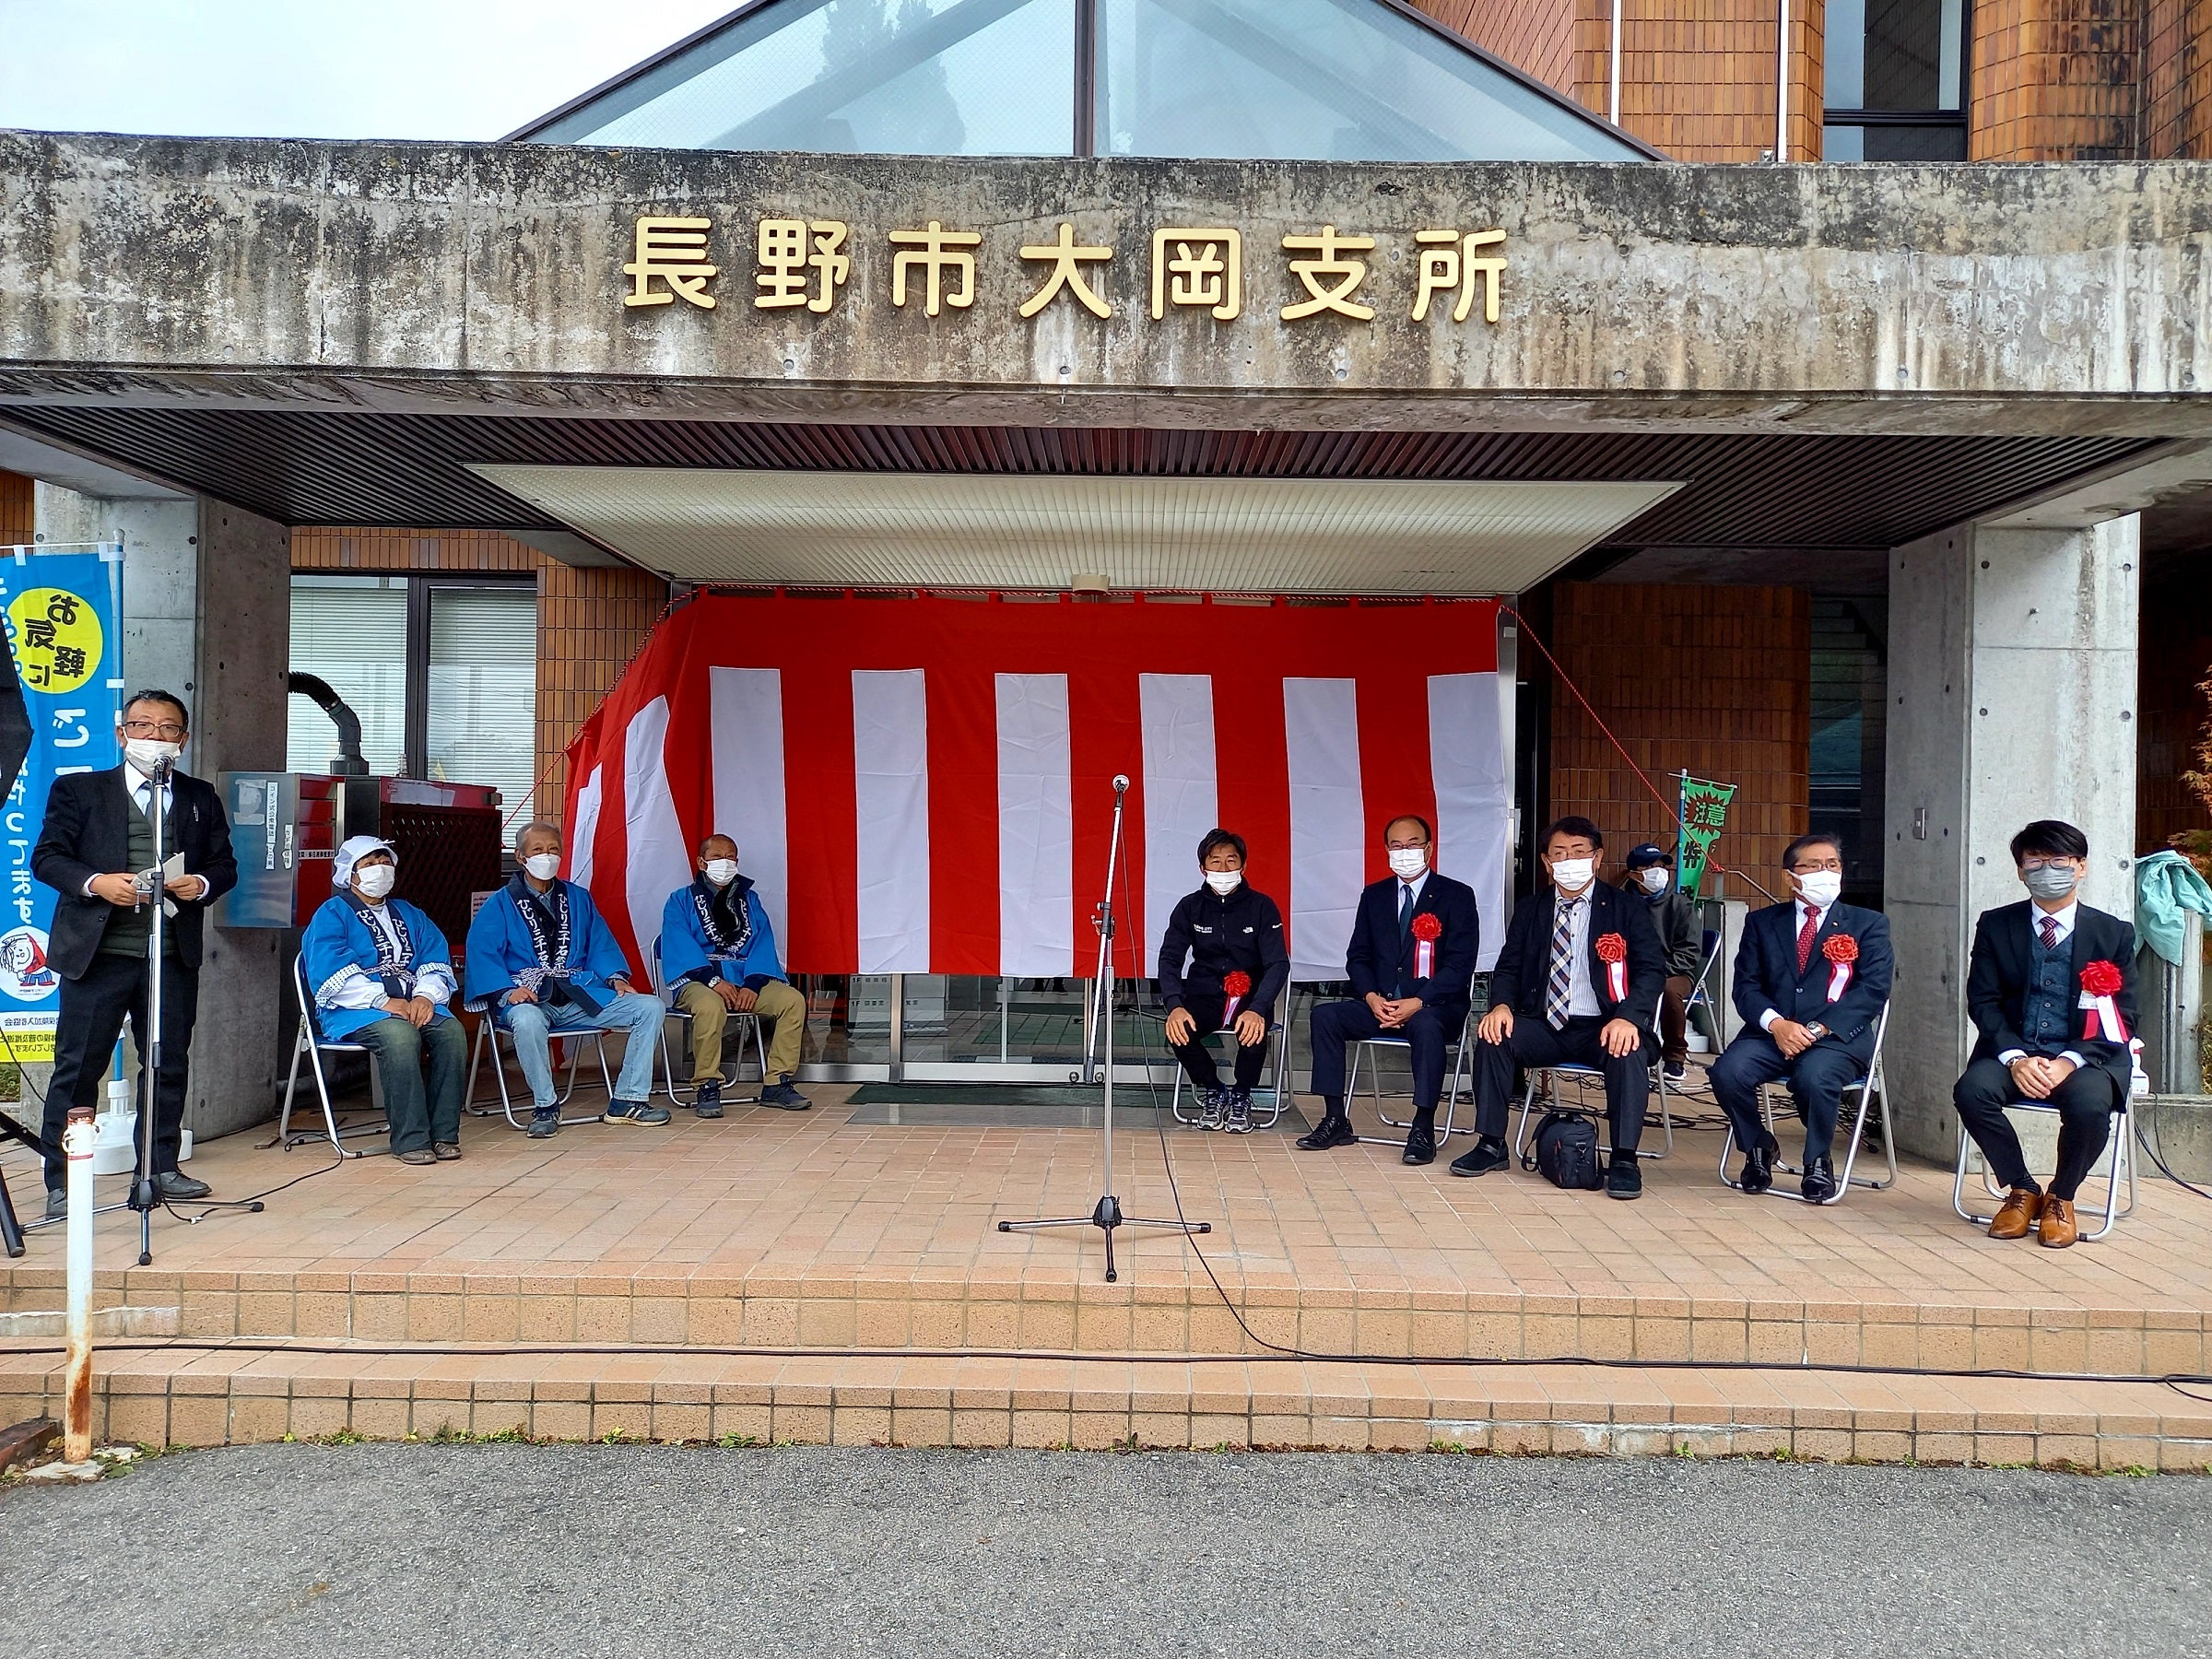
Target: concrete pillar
x,y
206,613
2012,681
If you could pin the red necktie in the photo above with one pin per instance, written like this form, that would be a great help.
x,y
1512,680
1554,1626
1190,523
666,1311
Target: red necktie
x,y
2050,932
1806,936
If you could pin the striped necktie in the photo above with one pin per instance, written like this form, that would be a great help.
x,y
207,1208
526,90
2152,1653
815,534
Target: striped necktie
x,y
1558,991
2050,932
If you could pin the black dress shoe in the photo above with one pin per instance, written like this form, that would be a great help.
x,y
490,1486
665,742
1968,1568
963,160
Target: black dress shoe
x,y
1820,1181
1489,1154
176,1184
1758,1164
1624,1180
1421,1145
1330,1132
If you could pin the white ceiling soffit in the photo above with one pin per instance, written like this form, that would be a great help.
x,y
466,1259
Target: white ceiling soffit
x,y
1302,536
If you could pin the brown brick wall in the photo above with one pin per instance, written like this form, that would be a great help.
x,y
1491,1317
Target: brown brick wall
x,y
2177,93
2056,80
590,623
1714,680
1696,76
15,510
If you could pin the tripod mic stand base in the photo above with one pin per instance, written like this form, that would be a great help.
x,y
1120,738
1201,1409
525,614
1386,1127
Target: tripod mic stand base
x,y
1106,1217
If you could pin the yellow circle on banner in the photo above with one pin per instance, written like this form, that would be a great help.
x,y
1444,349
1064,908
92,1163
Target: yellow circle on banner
x,y
57,639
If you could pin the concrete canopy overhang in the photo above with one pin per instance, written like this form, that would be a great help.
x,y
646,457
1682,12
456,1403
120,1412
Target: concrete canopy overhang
x,y
994,531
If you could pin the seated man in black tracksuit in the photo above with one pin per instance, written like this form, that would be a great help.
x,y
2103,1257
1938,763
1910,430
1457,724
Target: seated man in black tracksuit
x,y
1577,983
1232,939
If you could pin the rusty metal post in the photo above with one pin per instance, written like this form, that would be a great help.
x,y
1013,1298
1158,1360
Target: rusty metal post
x,y
78,1142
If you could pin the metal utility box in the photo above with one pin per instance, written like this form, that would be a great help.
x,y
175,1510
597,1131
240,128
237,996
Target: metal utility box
x,y
286,827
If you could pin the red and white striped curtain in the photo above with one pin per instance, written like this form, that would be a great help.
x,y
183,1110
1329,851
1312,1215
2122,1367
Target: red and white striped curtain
x,y
924,786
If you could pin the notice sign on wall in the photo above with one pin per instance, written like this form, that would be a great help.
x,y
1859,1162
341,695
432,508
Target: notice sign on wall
x,y
62,610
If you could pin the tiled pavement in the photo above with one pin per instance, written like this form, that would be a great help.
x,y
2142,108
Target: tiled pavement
x,y
774,1230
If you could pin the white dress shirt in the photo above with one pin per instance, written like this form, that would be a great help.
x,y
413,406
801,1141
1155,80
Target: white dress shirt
x,y
1801,911
1581,996
2064,918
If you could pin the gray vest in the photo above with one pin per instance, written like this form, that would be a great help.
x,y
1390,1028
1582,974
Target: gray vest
x,y
2047,1020
128,930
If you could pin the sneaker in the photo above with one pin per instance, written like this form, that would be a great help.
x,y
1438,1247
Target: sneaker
x,y
1677,1075
545,1124
1214,1103
784,1097
1624,1180
1237,1119
706,1100
634,1111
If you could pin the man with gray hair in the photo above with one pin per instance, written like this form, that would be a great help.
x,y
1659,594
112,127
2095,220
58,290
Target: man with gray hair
x,y
541,962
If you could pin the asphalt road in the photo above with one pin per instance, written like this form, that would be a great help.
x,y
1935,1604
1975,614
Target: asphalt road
x,y
397,1550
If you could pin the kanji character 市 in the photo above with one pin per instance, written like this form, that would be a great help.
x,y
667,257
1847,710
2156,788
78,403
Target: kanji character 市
x,y
936,250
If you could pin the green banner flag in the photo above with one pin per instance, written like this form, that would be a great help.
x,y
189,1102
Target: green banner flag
x,y
1704,811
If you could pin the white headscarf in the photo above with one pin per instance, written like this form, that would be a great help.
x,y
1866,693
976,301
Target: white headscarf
x,y
355,849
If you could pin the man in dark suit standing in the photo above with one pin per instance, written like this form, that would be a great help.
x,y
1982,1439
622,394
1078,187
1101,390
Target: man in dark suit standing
x,y
1811,977
1411,963
97,840
2050,987
1577,983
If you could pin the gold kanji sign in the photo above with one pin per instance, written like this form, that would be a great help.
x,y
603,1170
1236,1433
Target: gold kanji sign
x,y
797,255
1067,272
1200,267
673,251
1329,277
936,250
1449,263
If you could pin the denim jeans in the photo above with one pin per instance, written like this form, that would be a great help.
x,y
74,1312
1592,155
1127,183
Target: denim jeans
x,y
418,1116
533,1024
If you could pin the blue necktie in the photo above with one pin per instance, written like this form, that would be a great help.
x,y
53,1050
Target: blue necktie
x,y
1397,987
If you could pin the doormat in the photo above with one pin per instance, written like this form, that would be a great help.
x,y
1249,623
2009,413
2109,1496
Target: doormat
x,y
1019,1106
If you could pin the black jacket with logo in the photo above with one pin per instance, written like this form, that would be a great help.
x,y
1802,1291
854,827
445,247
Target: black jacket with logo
x,y
1218,935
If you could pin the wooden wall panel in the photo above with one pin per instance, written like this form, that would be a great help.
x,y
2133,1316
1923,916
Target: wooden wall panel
x,y
15,510
2175,658
1714,680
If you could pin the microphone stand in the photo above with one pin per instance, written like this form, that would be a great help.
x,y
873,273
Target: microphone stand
x,y
1107,1215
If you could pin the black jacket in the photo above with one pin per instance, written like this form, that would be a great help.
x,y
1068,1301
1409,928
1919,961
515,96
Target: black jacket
x,y
1997,983
1220,935
1380,956
87,833
1766,973
1674,916
1524,965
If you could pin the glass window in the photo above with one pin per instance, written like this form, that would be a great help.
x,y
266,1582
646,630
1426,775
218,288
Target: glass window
x,y
482,726
1326,80
351,631
949,78
1895,54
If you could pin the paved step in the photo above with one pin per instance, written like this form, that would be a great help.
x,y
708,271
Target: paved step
x,y
184,1394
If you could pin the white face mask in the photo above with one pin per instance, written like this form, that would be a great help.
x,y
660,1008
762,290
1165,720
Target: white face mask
x,y
1572,874
375,880
1224,882
1654,880
1820,889
543,866
1409,862
148,753
722,871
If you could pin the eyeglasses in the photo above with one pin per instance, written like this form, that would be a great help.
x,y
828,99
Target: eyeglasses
x,y
1405,846
168,730
1833,865
2050,863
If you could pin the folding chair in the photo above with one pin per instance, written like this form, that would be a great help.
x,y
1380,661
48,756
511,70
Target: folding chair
x,y
490,1031
2120,1148
1867,1089
1582,1076
1459,1055
1278,1033
313,1045
1700,990
675,1011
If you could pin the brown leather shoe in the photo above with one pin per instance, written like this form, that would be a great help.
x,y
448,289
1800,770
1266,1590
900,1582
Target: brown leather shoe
x,y
2018,1215
2058,1225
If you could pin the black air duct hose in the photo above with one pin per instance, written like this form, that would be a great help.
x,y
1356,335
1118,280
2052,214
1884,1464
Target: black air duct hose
x,y
349,763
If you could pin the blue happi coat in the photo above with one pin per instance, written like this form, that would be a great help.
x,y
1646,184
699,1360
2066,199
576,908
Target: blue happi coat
x,y
503,950
738,945
340,949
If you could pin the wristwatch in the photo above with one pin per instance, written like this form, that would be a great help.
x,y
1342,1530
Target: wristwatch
x,y
1815,1031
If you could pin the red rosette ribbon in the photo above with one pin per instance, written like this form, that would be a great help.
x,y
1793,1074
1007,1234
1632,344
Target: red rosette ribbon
x,y
1841,951
1613,951
1427,931
2100,984
1238,986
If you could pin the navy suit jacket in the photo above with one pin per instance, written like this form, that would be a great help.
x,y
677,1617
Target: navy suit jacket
x,y
1997,983
1524,965
1381,956
1767,977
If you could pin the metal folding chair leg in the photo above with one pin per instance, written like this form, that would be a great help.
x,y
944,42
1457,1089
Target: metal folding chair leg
x,y
2123,1151
1581,1076
732,1066
303,1045
488,1032
1279,1035
1461,1075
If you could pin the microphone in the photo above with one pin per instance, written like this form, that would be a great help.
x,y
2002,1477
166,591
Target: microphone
x,y
1121,784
